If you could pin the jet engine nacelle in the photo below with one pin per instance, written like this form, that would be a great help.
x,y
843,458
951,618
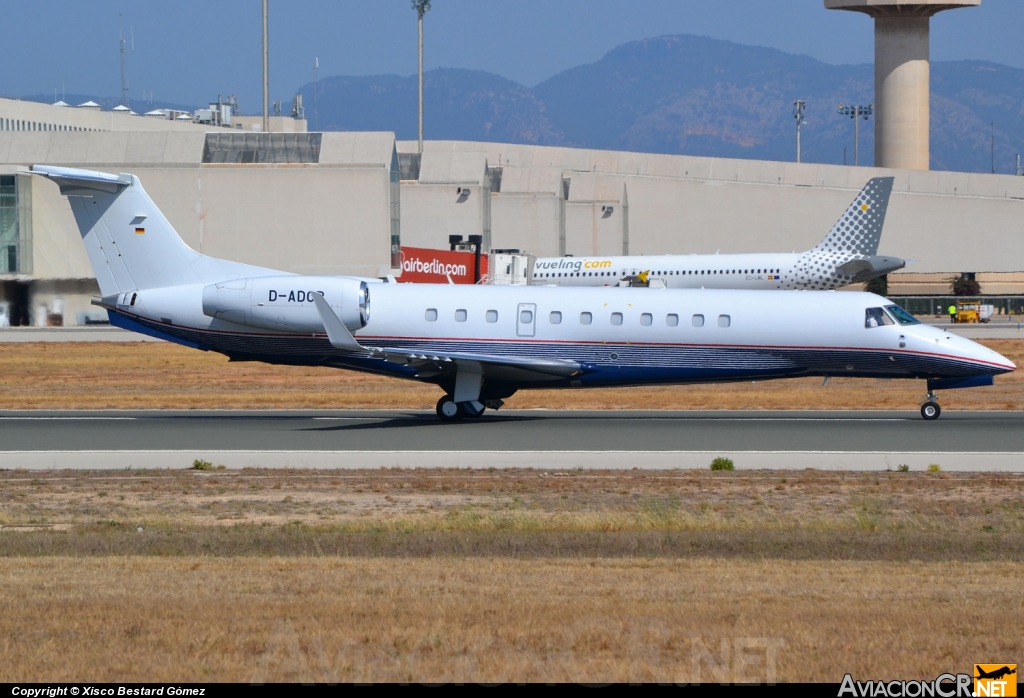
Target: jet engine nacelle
x,y
285,303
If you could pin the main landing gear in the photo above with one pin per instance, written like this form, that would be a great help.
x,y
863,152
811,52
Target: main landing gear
x,y
930,407
450,411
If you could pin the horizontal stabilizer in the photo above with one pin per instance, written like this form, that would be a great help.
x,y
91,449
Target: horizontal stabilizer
x,y
867,268
81,182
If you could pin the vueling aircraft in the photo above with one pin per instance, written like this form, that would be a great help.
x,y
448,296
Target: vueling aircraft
x,y
480,344
847,255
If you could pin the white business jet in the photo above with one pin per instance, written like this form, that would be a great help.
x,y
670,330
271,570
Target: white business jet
x,y
480,344
847,255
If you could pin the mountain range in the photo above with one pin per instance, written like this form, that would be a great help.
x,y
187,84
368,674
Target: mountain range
x,y
686,94
682,94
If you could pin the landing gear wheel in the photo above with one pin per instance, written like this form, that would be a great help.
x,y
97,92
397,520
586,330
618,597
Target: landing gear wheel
x,y
448,410
931,410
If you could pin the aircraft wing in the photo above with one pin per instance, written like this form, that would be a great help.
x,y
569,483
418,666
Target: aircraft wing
x,y
434,363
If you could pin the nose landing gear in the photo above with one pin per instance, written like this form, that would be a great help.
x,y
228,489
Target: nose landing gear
x,y
930,407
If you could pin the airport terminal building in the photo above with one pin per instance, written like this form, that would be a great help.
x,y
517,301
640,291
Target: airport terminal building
x,y
347,202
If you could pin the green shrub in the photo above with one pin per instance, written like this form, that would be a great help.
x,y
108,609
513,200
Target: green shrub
x,y
878,285
964,285
198,464
903,468
722,464
934,468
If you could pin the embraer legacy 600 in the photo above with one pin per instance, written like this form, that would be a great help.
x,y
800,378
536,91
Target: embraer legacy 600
x,y
847,255
480,344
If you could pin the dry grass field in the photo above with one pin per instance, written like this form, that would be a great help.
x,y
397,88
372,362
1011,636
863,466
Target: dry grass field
x,y
506,576
495,619
112,375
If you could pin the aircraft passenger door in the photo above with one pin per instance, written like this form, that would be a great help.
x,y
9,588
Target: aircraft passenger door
x,y
526,320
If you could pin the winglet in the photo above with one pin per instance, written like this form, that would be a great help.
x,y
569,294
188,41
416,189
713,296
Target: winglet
x,y
339,335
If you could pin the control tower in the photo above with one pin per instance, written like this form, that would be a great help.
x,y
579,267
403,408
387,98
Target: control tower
x,y
901,75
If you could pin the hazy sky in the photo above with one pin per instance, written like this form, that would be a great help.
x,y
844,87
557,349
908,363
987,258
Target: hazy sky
x,y
188,51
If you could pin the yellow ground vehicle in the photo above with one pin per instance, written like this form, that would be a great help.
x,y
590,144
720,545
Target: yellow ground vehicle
x,y
972,311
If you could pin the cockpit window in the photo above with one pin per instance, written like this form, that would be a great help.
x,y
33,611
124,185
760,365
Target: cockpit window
x,y
902,316
873,317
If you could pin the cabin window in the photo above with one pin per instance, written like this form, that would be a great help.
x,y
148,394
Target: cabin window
x,y
586,318
672,320
616,318
555,318
646,319
431,314
724,321
875,317
698,321
526,317
460,315
492,316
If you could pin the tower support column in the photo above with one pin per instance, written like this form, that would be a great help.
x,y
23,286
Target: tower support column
x,y
902,75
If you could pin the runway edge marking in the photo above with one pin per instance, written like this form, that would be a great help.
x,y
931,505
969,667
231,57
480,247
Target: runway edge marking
x,y
1011,462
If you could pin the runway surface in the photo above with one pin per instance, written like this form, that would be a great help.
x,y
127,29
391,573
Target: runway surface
x,y
533,438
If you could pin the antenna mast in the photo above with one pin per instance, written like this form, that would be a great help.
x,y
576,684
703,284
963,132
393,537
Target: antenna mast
x,y
124,76
316,66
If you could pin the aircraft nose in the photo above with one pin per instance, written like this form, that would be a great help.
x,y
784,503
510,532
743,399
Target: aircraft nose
x,y
1010,366
997,362
983,359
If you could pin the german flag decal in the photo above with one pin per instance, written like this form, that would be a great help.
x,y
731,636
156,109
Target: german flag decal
x,y
140,231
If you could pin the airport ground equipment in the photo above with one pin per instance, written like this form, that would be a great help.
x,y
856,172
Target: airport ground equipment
x,y
973,311
480,344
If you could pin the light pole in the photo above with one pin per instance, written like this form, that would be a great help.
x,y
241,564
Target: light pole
x,y
993,147
798,114
854,111
266,80
421,7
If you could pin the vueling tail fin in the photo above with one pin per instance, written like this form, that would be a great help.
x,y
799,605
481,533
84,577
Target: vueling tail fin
x,y
131,244
860,229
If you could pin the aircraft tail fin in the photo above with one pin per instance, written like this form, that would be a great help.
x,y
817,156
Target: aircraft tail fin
x,y
130,243
860,228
